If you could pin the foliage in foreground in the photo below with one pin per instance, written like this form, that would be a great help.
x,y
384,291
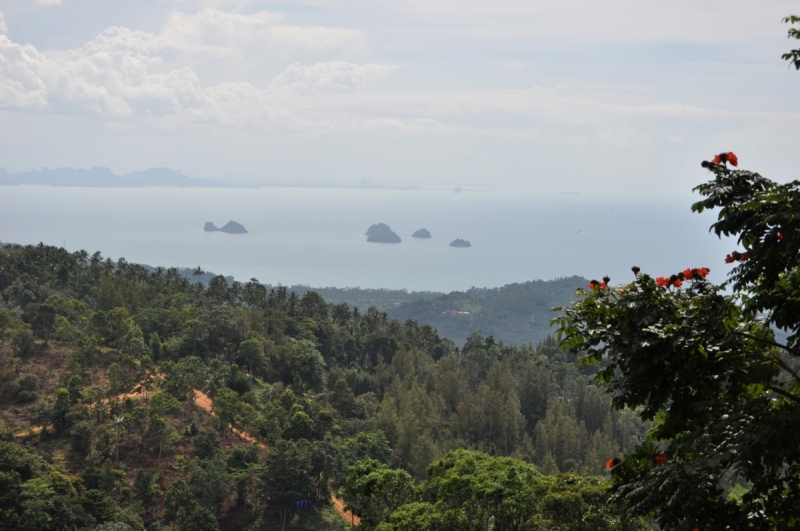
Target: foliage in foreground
x,y
474,491
702,361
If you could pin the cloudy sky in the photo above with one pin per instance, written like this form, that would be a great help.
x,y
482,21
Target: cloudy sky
x,y
575,94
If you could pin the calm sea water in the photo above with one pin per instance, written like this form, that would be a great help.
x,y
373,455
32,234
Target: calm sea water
x,y
314,236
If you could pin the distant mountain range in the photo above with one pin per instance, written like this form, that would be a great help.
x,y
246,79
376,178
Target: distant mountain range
x,y
102,177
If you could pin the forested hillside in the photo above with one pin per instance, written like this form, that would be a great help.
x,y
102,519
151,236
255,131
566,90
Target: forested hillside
x,y
107,367
517,314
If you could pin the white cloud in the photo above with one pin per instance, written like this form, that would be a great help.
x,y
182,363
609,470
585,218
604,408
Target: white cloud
x,y
136,75
333,76
20,85
131,74
158,79
211,33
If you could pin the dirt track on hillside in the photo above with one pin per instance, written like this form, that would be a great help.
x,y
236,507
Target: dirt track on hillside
x,y
204,402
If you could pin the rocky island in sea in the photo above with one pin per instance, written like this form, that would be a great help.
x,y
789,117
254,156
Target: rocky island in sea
x,y
382,233
421,233
230,227
458,242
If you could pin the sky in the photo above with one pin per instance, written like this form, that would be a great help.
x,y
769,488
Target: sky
x,y
574,95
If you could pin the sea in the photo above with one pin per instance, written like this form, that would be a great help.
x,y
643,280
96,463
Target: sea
x,y
315,236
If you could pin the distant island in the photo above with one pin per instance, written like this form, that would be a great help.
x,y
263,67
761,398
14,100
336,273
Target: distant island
x,y
381,233
231,228
102,177
458,242
421,233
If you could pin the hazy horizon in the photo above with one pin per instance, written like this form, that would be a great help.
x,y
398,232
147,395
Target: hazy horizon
x,y
315,236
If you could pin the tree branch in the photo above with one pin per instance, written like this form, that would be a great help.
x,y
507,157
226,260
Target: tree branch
x,y
777,360
761,340
785,394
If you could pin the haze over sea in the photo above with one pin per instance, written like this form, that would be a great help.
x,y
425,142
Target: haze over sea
x,y
314,236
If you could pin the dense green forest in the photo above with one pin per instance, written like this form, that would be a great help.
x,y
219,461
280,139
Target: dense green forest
x,y
382,299
518,314
105,367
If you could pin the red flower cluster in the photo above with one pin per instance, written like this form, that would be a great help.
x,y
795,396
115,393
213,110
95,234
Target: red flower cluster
x,y
593,285
726,157
686,274
660,459
692,274
736,256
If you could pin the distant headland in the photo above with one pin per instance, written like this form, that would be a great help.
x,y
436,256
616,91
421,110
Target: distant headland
x,y
230,227
421,233
102,177
458,242
382,233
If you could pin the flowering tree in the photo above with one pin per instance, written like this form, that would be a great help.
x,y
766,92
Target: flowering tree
x,y
702,361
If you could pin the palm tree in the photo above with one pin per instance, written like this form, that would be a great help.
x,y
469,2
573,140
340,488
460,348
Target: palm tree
x,y
122,265
82,257
108,266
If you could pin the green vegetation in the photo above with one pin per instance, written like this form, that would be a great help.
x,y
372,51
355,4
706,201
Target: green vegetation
x,y
119,366
474,491
518,314
702,361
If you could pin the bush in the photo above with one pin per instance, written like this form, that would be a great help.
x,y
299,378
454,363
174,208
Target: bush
x,y
206,444
80,438
27,396
22,389
23,342
28,382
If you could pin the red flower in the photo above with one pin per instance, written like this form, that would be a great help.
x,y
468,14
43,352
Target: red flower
x,y
703,271
717,159
662,281
687,274
780,236
622,292
733,159
729,259
743,257
660,459
677,283
603,285
611,463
